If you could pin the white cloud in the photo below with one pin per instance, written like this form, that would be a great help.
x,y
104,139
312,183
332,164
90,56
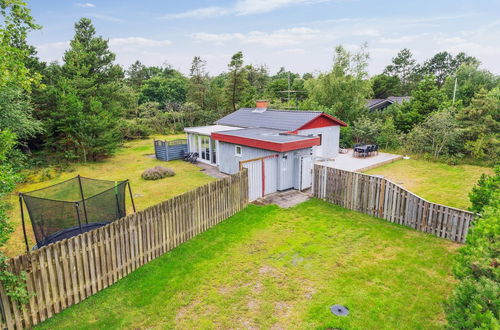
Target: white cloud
x,y
137,42
85,5
240,8
199,13
401,39
218,38
53,45
106,17
277,38
366,33
247,7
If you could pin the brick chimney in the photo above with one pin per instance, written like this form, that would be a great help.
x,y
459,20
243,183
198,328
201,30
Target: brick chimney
x,y
261,104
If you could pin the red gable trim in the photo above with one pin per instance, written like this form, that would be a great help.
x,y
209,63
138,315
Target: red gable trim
x,y
267,145
322,120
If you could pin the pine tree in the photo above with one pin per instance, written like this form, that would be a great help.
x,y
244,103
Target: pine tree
x,y
237,81
84,124
405,67
198,82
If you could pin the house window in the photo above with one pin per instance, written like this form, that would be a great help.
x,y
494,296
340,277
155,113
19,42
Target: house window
x,y
320,139
237,151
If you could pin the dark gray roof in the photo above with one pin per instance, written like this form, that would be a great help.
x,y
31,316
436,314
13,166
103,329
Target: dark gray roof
x,y
285,120
373,104
398,99
266,134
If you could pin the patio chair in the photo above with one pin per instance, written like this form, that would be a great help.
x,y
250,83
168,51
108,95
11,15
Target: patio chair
x,y
375,148
355,151
194,158
370,149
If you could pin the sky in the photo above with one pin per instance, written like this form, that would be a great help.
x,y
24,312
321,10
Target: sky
x,y
299,35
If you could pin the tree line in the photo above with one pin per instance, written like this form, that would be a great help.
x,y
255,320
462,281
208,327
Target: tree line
x,y
83,108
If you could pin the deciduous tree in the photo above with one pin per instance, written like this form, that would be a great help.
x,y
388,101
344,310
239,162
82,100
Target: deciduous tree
x,y
345,88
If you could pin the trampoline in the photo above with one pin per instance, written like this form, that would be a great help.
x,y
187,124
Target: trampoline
x,y
73,207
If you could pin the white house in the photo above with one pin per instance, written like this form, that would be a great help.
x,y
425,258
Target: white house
x,y
277,146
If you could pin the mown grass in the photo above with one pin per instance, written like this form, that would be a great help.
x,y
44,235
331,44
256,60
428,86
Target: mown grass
x,y
268,267
128,163
437,182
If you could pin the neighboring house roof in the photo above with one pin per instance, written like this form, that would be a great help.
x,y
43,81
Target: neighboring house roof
x,y
208,130
399,99
285,120
269,139
374,104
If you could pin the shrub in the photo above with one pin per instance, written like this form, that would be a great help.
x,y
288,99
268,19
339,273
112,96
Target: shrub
x,y
482,193
474,305
132,129
475,302
157,172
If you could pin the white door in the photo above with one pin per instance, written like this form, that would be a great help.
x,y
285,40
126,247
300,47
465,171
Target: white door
x,y
254,179
306,172
271,175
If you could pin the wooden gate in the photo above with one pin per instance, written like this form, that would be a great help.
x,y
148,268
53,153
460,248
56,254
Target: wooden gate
x,y
262,175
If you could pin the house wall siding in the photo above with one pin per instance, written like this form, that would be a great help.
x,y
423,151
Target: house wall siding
x,y
285,172
229,163
329,142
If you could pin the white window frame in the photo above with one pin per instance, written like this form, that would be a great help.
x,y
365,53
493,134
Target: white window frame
x,y
236,151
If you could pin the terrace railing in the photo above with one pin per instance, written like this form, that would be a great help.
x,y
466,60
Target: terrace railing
x,y
170,150
64,273
384,199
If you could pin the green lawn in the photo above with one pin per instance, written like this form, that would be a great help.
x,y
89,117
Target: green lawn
x,y
269,267
128,163
436,182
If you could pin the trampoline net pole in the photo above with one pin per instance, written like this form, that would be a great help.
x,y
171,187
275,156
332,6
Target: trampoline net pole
x,y
77,208
24,224
131,196
83,199
117,201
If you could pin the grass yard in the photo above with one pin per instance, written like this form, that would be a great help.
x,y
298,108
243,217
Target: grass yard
x,y
269,267
436,182
128,163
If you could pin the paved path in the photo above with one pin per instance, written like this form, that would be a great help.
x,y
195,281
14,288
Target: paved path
x,y
358,164
284,199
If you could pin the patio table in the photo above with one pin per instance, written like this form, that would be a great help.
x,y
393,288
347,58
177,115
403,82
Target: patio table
x,y
362,149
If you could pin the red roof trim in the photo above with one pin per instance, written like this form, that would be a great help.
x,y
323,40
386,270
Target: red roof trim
x,y
268,145
322,120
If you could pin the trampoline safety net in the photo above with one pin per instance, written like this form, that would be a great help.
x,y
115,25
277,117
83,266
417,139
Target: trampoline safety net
x,y
74,206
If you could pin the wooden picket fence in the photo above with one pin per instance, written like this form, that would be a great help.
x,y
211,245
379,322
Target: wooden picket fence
x,y
67,272
382,198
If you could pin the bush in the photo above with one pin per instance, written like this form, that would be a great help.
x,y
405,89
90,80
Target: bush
x,y
132,129
482,193
475,303
157,172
